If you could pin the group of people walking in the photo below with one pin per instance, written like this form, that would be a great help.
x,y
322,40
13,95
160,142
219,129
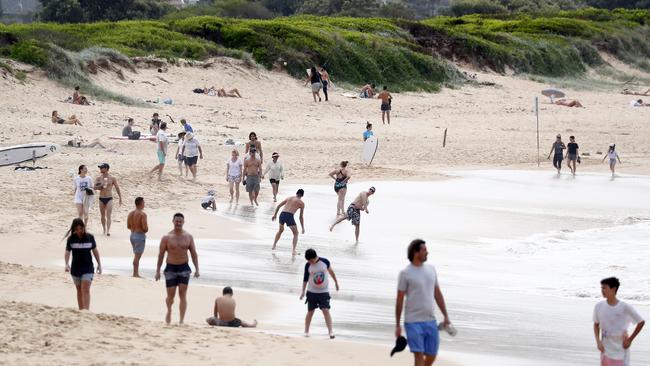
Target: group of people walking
x,y
572,155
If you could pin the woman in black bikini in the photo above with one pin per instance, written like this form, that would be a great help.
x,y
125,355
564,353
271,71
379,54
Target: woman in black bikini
x,y
341,177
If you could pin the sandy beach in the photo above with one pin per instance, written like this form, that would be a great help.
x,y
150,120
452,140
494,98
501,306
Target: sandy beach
x,y
489,127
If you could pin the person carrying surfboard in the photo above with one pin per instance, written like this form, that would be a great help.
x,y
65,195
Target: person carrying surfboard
x,y
354,212
368,132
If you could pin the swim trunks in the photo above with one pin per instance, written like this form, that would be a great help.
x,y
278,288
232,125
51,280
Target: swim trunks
x,y
138,241
423,337
385,107
252,183
235,323
177,274
287,218
276,181
84,277
105,200
572,157
161,157
354,215
205,205
189,161
317,300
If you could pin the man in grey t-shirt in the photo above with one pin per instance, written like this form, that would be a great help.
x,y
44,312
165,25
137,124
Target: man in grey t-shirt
x,y
419,284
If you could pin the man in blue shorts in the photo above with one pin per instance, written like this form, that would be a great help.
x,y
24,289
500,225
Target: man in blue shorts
x,y
316,281
291,205
419,284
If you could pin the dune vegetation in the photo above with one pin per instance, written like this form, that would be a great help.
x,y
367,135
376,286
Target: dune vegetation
x,y
407,54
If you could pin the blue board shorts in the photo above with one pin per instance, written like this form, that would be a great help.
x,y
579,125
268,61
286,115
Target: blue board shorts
x,y
287,218
423,337
138,241
83,277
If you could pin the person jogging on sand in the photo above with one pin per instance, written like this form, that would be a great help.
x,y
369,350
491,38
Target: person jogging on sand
x,y
354,211
136,222
418,284
177,271
612,318
558,150
291,205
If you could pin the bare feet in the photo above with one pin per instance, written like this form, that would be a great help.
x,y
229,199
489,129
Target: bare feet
x,y
331,228
168,317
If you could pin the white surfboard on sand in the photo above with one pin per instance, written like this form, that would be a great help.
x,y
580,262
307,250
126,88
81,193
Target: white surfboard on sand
x,y
369,149
13,155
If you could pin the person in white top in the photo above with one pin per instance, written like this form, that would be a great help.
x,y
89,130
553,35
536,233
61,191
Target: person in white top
x,y
276,173
234,168
192,152
612,318
613,156
209,201
161,150
179,156
83,186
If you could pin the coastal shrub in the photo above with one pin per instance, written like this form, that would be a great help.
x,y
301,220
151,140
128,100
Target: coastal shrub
x,y
30,52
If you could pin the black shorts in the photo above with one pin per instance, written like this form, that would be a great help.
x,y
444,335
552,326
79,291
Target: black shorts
x,y
317,300
276,181
177,274
189,161
287,218
205,205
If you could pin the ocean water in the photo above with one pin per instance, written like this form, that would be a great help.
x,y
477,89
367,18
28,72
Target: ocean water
x,y
519,256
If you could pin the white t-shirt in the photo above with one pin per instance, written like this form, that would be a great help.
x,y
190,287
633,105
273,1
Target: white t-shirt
x,y
612,155
275,170
316,276
234,167
418,282
181,143
207,199
80,185
162,137
615,320
192,148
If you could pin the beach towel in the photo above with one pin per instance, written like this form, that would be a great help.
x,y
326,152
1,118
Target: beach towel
x,y
350,95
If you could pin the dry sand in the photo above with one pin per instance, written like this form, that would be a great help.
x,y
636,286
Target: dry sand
x,y
488,127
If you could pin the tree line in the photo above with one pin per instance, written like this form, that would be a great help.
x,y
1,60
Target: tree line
x,y
80,11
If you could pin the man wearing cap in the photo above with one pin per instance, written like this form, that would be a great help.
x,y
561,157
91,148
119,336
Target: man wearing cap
x,y
191,151
186,126
104,184
252,173
419,284
354,211
276,173
558,150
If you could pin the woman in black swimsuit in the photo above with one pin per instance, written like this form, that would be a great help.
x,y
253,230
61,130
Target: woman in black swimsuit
x,y
341,177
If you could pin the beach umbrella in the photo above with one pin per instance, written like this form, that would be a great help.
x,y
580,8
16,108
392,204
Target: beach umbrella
x,y
553,93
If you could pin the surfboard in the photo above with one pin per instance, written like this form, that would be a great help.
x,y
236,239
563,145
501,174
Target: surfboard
x,y
142,138
369,150
12,155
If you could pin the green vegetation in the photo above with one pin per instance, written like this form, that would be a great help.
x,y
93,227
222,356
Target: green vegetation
x,y
407,54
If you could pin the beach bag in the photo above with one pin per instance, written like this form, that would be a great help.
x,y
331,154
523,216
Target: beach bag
x,y
198,91
134,135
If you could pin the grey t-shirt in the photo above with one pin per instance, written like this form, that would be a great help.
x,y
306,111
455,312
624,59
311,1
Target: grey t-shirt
x,y
126,131
418,283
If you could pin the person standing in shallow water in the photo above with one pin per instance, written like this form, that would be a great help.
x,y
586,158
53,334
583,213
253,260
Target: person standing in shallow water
x,y
341,177
176,244
81,245
136,222
316,282
557,149
613,157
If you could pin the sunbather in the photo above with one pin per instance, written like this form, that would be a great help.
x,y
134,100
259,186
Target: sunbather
x,y
569,103
72,120
629,92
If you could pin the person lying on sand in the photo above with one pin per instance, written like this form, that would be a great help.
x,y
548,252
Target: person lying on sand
x,y
72,120
368,91
639,103
80,142
629,92
569,103
232,93
224,312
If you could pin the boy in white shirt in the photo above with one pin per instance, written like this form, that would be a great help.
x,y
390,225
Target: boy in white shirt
x,y
209,201
612,319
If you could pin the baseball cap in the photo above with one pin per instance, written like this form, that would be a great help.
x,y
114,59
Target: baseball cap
x,y
275,154
104,165
400,345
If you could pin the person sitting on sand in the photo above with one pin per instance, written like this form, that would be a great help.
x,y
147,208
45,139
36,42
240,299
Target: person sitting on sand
x,y
224,312
629,92
72,120
209,201
78,98
232,93
569,103
368,91
639,103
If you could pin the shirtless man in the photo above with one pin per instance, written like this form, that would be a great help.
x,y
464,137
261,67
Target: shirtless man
x,y
385,104
354,211
104,184
137,223
224,312
252,174
177,271
292,204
